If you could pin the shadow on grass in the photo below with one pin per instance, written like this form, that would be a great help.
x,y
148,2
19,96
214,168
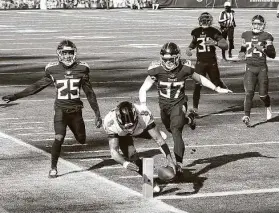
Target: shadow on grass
x,y
235,108
7,105
274,119
191,176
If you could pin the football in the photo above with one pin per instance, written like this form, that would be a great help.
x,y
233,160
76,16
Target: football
x,y
166,173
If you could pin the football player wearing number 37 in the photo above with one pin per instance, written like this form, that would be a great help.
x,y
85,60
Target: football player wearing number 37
x,y
170,74
205,40
256,45
68,75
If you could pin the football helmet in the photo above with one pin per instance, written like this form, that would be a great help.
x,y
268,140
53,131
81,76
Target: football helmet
x,y
170,56
258,24
205,20
127,116
66,52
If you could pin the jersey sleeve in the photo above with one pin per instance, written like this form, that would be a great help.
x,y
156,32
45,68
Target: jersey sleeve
x,y
109,126
188,67
152,71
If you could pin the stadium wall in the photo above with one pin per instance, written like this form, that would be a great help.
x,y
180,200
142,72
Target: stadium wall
x,y
97,4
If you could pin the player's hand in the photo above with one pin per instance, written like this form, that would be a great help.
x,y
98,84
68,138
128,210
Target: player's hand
x,y
131,166
188,52
222,90
8,98
98,122
210,42
241,56
258,47
173,166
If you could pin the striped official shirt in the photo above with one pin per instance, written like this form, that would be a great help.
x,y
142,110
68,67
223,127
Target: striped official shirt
x,y
226,19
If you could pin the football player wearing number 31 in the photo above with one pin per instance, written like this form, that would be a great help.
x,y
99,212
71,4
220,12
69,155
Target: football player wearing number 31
x,y
170,74
68,76
205,40
256,45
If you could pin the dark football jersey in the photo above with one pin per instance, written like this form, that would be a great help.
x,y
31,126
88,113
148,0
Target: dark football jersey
x,y
200,35
171,85
253,56
68,82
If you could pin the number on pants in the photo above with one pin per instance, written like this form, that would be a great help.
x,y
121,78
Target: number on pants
x,y
202,46
70,86
171,85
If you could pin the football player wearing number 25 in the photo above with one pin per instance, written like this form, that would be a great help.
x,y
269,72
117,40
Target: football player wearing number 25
x,y
68,75
170,74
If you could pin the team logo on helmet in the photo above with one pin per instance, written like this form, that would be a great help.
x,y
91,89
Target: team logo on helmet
x,y
205,20
66,52
170,56
258,24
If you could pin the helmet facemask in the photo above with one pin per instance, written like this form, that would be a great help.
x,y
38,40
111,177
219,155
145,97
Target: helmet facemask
x,y
205,20
170,62
258,24
127,116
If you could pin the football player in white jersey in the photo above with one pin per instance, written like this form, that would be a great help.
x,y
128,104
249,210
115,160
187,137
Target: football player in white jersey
x,y
123,123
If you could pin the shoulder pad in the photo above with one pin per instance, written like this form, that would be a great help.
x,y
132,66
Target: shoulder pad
x,y
187,63
194,30
216,29
244,34
51,64
269,36
154,64
83,63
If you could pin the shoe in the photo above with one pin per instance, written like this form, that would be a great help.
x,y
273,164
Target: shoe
x,y
246,120
53,173
194,111
156,188
179,171
192,122
268,113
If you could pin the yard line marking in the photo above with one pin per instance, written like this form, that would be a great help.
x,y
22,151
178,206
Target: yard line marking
x,y
49,139
161,205
92,159
131,176
31,122
36,133
112,167
219,194
3,119
23,128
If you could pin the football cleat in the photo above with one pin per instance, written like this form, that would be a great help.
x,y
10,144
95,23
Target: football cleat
x,y
195,112
179,171
246,120
53,173
192,122
268,113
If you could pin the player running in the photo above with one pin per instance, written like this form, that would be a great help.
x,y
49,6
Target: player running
x,y
68,76
256,46
170,74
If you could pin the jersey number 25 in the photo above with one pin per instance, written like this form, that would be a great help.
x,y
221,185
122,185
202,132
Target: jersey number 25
x,y
68,90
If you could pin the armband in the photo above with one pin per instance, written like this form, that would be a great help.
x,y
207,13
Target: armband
x,y
243,49
165,149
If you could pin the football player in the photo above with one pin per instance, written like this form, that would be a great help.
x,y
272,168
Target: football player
x,y
170,74
256,46
68,75
123,123
205,40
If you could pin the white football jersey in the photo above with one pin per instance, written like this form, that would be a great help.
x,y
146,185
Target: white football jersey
x,y
145,120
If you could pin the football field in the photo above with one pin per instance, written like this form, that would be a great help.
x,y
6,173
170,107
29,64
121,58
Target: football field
x,y
234,168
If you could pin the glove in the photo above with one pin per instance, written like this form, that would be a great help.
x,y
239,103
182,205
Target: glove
x,y
241,56
188,52
98,122
222,91
131,166
9,98
173,166
210,42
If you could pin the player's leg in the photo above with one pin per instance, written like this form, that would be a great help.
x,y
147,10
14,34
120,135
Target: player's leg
x,y
225,35
263,90
200,68
60,132
214,75
249,82
76,124
231,40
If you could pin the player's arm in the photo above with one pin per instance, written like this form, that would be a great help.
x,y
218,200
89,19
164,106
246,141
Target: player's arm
x,y
243,49
218,40
267,49
147,84
191,46
164,148
92,99
207,83
30,90
115,154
